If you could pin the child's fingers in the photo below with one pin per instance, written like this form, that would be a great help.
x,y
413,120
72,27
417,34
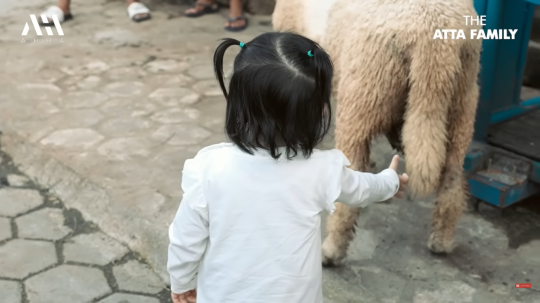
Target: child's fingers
x,y
394,163
175,298
404,178
192,296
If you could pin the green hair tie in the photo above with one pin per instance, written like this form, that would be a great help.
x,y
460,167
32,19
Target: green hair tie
x,y
242,44
310,54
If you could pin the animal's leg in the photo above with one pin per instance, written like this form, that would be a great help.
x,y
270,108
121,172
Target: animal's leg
x,y
370,87
341,224
451,195
356,124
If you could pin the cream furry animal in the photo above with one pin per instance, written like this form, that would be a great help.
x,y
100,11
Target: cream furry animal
x,y
393,79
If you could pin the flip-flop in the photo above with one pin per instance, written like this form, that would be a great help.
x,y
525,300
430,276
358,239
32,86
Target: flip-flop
x,y
137,8
236,28
52,11
207,9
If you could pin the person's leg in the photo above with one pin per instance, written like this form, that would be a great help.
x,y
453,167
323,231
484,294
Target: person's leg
x,y
235,14
64,6
140,16
196,9
61,10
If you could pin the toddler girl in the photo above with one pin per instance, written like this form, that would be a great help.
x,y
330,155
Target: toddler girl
x,y
248,228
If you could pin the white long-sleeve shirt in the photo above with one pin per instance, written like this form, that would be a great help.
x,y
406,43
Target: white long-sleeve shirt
x,y
248,227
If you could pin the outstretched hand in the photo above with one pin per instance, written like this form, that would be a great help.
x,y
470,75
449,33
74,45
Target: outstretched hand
x,y
187,297
403,179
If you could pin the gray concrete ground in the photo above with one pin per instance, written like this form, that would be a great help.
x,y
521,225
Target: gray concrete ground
x,y
105,119
49,253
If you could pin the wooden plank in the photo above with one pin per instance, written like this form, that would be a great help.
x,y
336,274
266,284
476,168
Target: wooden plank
x,y
520,135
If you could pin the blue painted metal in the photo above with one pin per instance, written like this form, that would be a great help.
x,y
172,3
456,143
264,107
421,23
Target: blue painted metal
x,y
535,2
502,65
493,10
516,110
535,172
498,194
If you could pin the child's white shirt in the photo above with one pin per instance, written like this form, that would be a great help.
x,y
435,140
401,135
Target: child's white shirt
x,y
248,228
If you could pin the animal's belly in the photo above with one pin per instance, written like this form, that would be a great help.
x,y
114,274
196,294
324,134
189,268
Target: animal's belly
x,y
315,17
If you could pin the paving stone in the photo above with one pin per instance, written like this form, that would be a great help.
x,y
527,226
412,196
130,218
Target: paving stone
x,y
447,292
176,115
143,198
118,37
89,82
24,66
46,223
135,276
67,283
128,298
5,229
20,258
47,107
124,89
169,80
530,251
15,201
173,158
363,247
171,66
39,91
96,248
208,88
202,72
174,96
214,113
123,149
82,138
181,134
83,99
39,88
92,67
17,180
125,126
75,118
11,292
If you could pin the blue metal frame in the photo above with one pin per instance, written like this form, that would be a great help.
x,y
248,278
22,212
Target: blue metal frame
x,y
501,79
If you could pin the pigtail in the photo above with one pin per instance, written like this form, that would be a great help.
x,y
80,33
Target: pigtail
x,y
324,73
218,60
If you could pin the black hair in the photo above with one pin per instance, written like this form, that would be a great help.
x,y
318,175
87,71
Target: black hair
x,y
280,89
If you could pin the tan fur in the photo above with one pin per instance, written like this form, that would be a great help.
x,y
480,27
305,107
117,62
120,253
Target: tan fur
x,y
393,79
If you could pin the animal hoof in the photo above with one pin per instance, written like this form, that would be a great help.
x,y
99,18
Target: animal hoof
x,y
331,255
437,245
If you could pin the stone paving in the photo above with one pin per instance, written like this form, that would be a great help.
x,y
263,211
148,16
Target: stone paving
x,y
49,254
105,119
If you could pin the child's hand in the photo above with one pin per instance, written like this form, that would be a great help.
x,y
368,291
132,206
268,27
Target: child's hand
x,y
403,179
187,297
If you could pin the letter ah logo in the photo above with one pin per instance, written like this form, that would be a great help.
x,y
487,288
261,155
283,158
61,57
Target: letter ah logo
x,y
45,21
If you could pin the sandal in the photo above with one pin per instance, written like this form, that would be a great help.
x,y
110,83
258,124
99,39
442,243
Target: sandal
x,y
136,9
54,11
231,28
206,9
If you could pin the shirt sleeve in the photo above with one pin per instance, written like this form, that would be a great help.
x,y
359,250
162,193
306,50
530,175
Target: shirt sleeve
x,y
358,189
188,233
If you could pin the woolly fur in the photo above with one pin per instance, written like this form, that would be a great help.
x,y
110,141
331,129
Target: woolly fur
x,y
393,79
